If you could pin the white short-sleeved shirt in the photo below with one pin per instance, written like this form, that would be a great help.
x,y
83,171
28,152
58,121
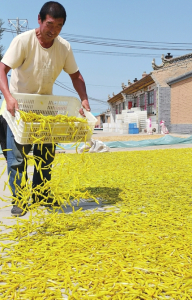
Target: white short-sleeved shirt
x,y
35,68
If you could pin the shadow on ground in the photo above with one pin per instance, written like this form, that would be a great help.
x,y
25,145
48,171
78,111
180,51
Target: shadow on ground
x,y
105,196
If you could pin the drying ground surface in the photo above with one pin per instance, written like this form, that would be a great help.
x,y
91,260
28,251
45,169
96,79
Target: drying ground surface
x,y
138,247
136,137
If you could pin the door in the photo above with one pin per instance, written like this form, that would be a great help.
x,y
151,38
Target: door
x,y
129,104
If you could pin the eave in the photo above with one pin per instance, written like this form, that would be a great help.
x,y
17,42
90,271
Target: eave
x,y
179,78
138,85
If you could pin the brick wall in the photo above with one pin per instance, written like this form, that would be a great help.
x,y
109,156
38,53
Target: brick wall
x,y
113,112
109,120
181,128
175,107
181,102
98,120
167,108
164,106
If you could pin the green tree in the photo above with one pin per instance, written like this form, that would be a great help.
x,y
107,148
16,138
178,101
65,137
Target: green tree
x,y
1,34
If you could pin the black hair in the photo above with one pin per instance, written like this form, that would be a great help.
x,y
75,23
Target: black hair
x,y
54,9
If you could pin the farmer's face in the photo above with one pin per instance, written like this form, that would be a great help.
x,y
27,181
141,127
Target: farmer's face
x,y
50,27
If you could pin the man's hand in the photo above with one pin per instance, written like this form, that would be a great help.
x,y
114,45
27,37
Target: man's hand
x,y
85,104
79,85
12,105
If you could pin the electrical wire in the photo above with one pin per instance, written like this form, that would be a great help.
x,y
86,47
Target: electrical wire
x,y
101,107
96,43
75,36
111,42
60,84
115,53
109,53
124,40
101,85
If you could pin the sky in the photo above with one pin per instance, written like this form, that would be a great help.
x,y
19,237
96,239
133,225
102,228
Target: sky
x,y
109,39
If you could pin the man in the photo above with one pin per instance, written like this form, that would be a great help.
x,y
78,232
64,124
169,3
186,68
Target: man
x,y
36,58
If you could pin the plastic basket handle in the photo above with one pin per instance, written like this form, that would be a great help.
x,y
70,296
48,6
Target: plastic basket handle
x,y
90,117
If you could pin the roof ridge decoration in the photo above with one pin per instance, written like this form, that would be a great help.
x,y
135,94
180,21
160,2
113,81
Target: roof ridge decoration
x,y
170,61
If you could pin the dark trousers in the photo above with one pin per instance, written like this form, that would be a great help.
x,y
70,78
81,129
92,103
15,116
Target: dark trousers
x,y
3,135
17,164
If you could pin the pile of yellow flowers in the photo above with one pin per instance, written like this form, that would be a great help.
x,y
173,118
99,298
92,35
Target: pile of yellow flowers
x,y
39,129
138,245
45,120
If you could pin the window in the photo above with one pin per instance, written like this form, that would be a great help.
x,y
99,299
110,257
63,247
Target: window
x,y
149,109
135,102
142,101
150,104
151,98
123,105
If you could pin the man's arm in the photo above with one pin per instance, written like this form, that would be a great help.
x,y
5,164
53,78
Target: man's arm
x,y
12,104
79,86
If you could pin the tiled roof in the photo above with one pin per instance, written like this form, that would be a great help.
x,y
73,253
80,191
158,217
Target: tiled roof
x,y
170,61
173,70
140,84
180,78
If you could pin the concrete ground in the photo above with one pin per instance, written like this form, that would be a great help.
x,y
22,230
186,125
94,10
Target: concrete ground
x,y
5,211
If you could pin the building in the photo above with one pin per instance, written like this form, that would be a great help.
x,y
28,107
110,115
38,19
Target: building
x,y
141,93
165,93
180,116
102,118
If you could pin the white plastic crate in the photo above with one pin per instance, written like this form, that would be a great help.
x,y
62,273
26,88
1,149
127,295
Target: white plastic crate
x,y
119,121
24,133
112,125
106,129
118,117
124,111
135,109
131,118
119,125
123,131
